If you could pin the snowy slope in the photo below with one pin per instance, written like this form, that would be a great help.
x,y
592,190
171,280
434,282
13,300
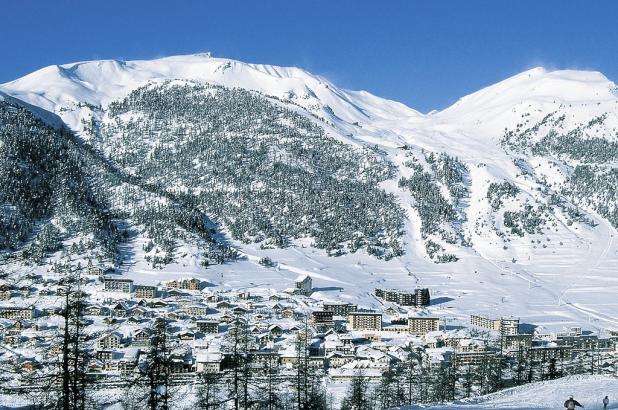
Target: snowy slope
x,y
587,390
563,276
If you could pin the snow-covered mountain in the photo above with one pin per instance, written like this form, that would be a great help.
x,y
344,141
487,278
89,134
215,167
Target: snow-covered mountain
x,y
503,203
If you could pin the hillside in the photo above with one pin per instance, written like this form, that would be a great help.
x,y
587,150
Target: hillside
x,y
503,203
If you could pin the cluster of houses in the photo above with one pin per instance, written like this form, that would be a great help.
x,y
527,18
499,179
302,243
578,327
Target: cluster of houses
x,y
340,337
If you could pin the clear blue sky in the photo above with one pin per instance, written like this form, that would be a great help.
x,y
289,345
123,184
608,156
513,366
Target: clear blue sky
x,y
425,54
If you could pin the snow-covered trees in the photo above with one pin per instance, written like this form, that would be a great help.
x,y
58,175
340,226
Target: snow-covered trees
x,y
264,170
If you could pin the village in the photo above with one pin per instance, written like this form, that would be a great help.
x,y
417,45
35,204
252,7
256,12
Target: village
x,y
341,339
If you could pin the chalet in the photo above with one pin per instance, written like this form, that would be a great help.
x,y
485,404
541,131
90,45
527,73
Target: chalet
x,y
224,305
338,359
275,330
140,312
158,304
5,292
120,310
239,310
186,335
94,310
141,338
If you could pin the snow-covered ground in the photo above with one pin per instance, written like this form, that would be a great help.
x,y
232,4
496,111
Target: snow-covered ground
x,y
589,391
566,277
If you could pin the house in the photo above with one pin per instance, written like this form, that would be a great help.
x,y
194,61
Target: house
x,y
224,305
187,335
303,285
275,330
94,310
120,310
208,362
365,321
117,285
338,359
141,312
5,292
111,341
141,338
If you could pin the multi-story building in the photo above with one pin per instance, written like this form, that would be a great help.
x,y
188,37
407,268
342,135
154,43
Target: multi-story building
x,y
420,297
145,292
322,317
507,326
118,285
208,363
420,326
16,313
339,309
196,310
207,326
111,341
365,321
188,284
303,285
474,358
513,343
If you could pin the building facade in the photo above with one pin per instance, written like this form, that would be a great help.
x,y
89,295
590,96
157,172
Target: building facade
x,y
365,321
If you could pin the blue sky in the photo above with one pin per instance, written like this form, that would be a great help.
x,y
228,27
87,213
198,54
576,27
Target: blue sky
x,y
425,54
